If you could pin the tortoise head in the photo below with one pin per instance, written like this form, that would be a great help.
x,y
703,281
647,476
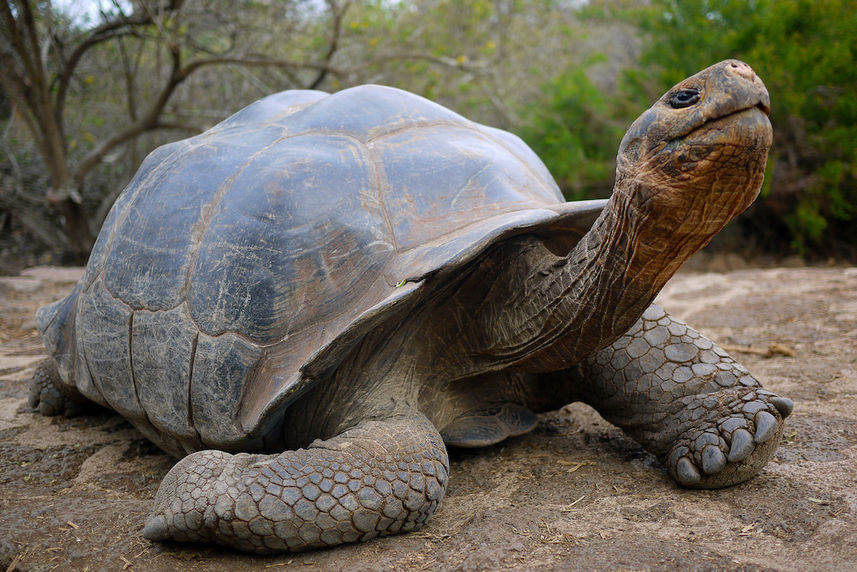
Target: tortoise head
x,y
697,157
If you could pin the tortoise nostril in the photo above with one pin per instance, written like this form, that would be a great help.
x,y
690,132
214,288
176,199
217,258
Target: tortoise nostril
x,y
743,70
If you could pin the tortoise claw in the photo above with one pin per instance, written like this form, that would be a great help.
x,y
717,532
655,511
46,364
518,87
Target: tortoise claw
x,y
730,445
713,459
766,426
156,528
784,405
686,472
742,446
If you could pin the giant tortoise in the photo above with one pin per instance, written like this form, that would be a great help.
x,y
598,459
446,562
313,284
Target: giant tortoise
x,y
308,302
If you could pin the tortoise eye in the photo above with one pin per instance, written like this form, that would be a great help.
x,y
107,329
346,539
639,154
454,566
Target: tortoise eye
x,y
684,98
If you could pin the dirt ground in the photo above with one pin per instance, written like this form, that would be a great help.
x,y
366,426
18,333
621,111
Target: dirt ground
x,y
573,495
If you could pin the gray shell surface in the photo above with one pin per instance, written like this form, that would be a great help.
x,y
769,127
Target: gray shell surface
x,y
239,266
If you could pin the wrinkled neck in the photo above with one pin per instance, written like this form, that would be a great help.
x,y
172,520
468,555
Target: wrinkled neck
x,y
596,293
523,308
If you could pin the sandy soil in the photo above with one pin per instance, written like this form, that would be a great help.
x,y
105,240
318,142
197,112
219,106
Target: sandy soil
x,y
574,494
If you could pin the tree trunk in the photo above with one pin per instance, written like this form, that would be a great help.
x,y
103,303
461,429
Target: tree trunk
x,y
77,228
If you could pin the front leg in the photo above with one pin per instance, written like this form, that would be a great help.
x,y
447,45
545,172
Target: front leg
x,y
379,478
685,400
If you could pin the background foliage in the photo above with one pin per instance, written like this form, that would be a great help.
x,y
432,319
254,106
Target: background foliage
x,y
567,75
806,51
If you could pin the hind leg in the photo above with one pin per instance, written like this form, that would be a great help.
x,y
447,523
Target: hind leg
x,y
52,397
684,399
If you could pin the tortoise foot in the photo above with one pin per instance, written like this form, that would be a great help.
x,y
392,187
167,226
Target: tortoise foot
x,y
685,399
48,395
737,432
379,478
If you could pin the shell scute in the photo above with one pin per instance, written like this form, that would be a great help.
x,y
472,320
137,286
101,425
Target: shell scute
x,y
442,178
159,226
369,111
299,231
163,344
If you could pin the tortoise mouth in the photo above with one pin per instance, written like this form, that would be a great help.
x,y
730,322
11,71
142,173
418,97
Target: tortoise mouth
x,y
745,116
747,131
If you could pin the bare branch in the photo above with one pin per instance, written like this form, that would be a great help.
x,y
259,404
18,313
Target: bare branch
x,y
31,31
16,43
263,87
20,48
121,26
148,122
151,120
178,127
256,61
24,206
475,67
333,45
10,156
16,87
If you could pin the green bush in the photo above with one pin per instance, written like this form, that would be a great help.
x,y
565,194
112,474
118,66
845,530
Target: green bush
x,y
806,52
574,134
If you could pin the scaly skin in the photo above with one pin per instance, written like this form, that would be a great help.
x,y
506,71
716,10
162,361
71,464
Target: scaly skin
x,y
379,478
50,396
685,400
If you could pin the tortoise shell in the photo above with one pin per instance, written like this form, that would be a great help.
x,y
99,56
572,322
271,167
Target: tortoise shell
x,y
240,266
